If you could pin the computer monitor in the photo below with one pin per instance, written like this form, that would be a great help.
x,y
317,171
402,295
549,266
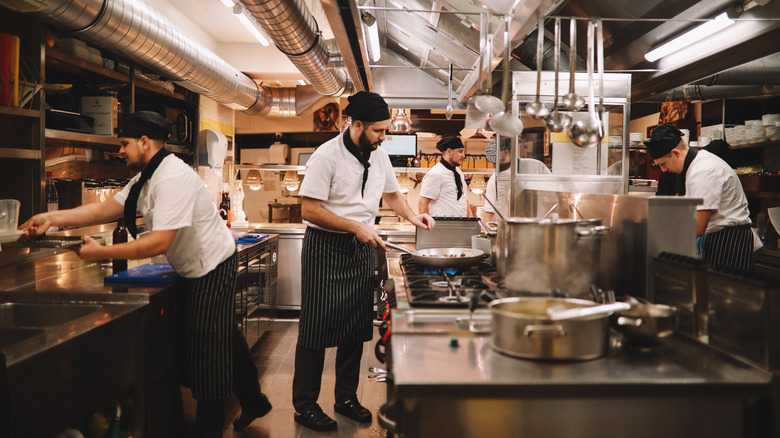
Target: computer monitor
x,y
400,147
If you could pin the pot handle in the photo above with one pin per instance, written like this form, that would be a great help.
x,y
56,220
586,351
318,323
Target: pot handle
x,y
628,320
598,230
549,330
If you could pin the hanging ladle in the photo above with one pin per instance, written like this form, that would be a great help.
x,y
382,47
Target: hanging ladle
x,y
537,109
505,123
600,53
557,122
487,103
587,133
572,101
449,99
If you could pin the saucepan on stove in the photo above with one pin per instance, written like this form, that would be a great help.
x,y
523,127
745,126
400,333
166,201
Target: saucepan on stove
x,y
645,323
442,257
522,327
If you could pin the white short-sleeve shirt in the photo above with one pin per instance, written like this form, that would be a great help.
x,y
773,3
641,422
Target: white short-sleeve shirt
x,y
712,180
439,185
334,176
175,198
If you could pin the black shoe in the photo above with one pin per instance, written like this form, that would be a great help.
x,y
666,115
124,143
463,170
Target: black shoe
x,y
353,410
246,418
315,419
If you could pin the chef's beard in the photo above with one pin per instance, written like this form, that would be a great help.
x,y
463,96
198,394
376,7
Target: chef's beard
x,y
365,144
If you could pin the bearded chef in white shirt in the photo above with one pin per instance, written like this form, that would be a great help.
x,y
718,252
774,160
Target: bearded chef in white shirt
x,y
444,191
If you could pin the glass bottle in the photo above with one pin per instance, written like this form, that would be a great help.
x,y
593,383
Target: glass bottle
x,y
224,208
119,236
52,198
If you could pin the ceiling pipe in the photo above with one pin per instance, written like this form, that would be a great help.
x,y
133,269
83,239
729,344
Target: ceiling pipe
x,y
526,54
135,30
693,92
291,26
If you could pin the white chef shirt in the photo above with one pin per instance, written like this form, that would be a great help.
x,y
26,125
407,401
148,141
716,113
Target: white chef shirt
x,y
335,177
439,185
175,198
525,166
711,179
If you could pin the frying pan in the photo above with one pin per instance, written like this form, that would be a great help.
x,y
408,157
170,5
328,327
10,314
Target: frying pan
x,y
442,257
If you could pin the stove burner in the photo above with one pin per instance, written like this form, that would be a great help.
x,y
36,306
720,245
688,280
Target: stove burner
x,y
454,299
430,287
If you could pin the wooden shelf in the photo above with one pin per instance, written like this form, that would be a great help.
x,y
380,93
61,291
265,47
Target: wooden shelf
x,y
77,139
22,154
19,112
71,64
755,145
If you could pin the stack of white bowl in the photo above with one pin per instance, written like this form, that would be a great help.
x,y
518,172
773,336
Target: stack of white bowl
x,y
739,134
755,131
771,123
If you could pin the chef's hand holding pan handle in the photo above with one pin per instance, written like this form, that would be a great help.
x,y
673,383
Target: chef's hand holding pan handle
x,y
90,250
366,234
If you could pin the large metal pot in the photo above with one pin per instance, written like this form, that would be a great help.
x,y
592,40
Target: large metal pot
x,y
522,328
539,255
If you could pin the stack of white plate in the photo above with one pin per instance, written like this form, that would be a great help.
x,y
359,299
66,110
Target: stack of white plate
x,y
773,132
770,119
740,135
755,132
729,135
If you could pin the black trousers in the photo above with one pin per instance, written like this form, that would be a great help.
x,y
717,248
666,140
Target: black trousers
x,y
210,415
307,379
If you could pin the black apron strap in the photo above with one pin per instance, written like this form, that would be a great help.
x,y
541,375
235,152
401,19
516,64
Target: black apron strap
x,y
458,182
679,183
363,157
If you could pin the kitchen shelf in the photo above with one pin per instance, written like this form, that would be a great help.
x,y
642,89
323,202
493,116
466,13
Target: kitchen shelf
x,y
71,64
19,112
23,154
55,137
755,145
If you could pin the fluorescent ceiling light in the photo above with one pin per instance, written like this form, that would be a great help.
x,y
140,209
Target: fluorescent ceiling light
x,y
228,3
698,33
373,35
238,11
301,81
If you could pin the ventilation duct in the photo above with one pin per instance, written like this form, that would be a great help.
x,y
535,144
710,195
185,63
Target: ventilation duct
x,y
693,92
138,32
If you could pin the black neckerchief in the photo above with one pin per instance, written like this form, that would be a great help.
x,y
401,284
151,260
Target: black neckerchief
x,y
131,203
679,183
457,177
504,166
363,157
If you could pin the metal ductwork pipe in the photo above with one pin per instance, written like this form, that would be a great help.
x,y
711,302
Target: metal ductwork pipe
x,y
135,30
693,92
293,29
526,54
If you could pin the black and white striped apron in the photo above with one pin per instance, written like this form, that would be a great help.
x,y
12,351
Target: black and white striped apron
x,y
731,247
208,305
337,290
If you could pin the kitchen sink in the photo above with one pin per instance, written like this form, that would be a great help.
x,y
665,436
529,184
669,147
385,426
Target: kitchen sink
x,y
17,315
10,336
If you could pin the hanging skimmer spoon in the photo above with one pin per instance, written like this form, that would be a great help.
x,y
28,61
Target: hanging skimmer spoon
x,y
537,109
572,101
486,102
557,122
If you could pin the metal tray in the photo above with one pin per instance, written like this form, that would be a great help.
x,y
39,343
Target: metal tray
x,y
45,241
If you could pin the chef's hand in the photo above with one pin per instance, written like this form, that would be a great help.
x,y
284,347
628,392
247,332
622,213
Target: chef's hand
x,y
90,250
366,234
37,224
424,221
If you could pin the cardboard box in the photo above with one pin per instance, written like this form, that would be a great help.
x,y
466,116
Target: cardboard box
x,y
105,111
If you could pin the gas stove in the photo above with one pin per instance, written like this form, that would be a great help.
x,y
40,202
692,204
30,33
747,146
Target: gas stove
x,y
447,287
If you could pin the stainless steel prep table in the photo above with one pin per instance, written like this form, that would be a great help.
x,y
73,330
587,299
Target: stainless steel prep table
x,y
684,389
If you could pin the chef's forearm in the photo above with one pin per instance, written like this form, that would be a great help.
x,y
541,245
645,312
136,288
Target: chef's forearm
x,y
153,244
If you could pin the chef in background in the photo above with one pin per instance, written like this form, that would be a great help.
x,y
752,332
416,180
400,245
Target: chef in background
x,y
345,179
524,166
186,227
725,238
444,191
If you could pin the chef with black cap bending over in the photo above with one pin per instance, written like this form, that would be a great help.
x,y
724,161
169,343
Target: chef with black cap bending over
x,y
186,227
444,191
725,238
345,179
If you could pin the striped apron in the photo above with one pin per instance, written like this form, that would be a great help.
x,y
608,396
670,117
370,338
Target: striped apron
x,y
337,290
207,320
731,247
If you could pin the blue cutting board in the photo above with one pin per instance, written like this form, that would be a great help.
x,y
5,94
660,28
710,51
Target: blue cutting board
x,y
151,273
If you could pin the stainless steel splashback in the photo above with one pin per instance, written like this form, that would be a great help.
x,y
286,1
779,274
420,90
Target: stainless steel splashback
x,y
449,232
640,229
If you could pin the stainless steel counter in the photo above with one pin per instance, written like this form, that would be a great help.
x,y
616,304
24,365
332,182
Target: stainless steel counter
x,y
450,382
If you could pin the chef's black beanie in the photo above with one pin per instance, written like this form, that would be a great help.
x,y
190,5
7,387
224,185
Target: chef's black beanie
x,y
148,123
449,143
664,138
367,107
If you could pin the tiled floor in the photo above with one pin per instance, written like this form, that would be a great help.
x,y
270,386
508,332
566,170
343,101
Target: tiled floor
x,y
274,355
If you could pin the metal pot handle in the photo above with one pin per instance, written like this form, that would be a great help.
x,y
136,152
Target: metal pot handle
x,y
628,320
550,330
598,230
